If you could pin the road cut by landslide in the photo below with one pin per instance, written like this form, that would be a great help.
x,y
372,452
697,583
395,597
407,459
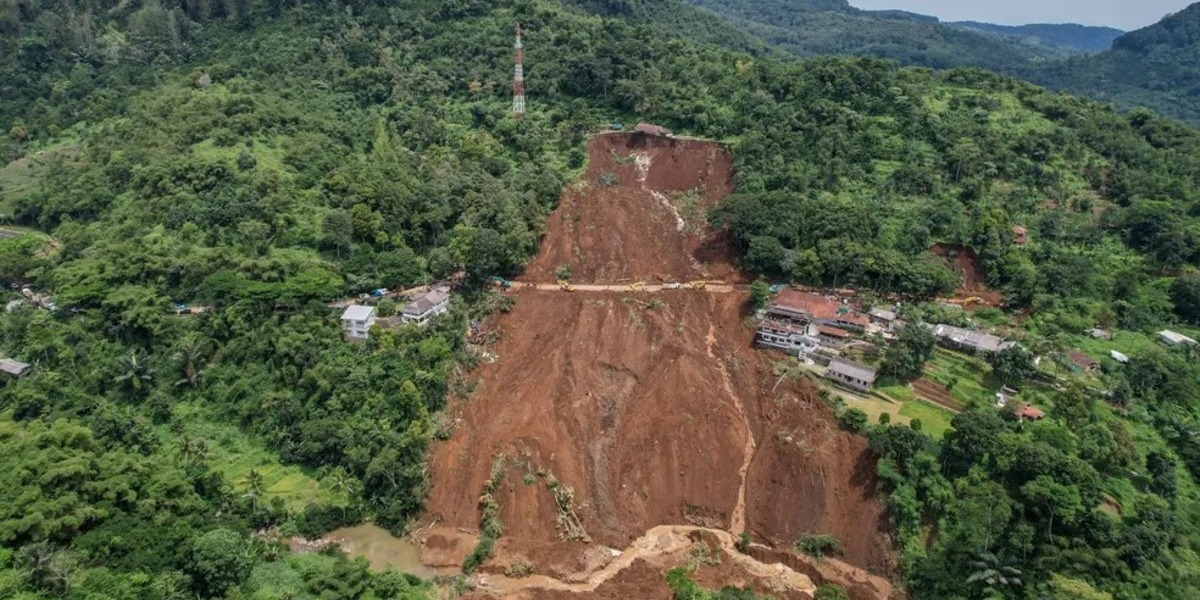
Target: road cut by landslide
x,y
609,415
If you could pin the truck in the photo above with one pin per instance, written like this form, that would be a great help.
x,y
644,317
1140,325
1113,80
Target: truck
x,y
501,282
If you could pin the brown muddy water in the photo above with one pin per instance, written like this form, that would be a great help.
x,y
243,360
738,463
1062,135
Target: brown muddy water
x,y
383,550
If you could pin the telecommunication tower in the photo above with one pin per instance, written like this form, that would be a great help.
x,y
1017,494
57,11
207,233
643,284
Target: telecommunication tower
x,y
519,78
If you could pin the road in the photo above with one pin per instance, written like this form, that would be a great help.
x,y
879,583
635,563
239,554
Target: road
x,y
625,287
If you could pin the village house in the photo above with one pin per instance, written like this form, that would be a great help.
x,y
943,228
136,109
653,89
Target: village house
x,y
426,306
648,129
883,318
966,340
803,308
1173,339
1099,334
793,339
1082,363
850,374
1028,412
14,369
357,321
1117,356
1020,235
832,337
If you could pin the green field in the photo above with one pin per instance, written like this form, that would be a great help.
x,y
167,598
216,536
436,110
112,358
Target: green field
x,y
934,420
18,178
234,454
968,378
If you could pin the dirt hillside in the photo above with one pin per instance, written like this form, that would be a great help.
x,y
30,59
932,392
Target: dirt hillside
x,y
606,415
637,214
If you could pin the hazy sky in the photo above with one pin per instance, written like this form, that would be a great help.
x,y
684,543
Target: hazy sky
x,y
1123,14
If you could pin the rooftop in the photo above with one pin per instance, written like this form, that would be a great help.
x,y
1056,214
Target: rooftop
x,y
1081,360
1029,411
649,129
13,367
852,370
974,339
882,314
358,312
426,302
818,307
833,331
1176,338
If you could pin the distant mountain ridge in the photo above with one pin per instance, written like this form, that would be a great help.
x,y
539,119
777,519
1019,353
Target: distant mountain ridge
x,y
1072,36
1156,66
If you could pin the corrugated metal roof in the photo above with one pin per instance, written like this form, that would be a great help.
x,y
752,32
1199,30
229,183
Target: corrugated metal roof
x,y
358,312
852,370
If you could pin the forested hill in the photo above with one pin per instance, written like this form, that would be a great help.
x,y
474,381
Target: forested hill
x,y
810,28
1157,67
262,158
1068,36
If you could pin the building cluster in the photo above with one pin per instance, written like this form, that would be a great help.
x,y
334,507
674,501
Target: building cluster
x,y
969,340
358,319
817,328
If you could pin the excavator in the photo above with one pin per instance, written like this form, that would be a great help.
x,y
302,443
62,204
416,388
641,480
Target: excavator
x,y
565,286
695,285
636,287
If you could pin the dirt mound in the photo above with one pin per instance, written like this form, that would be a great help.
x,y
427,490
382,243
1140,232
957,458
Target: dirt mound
x,y
637,214
611,415
966,263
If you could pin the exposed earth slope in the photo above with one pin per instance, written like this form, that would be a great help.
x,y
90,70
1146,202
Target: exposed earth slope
x,y
652,408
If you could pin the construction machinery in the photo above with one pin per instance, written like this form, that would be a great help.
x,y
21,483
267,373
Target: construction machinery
x,y
695,285
636,287
566,286
972,301
501,282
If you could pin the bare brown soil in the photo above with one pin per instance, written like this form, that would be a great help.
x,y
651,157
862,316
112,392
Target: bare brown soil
x,y
637,214
655,410
936,393
966,263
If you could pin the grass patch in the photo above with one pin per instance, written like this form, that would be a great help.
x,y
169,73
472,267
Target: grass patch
x,y
19,177
968,378
935,421
234,453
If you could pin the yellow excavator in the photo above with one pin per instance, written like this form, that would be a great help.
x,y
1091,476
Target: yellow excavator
x,y
695,285
636,287
565,286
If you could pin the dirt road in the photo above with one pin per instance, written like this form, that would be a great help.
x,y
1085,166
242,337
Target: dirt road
x,y
612,417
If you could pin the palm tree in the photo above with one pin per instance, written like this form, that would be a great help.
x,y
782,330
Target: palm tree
x,y
192,450
134,374
254,486
993,572
189,356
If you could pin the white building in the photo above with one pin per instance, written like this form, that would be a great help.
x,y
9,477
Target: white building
x,y
426,306
793,339
357,321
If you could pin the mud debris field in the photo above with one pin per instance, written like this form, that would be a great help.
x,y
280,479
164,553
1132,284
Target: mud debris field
x,y
629,432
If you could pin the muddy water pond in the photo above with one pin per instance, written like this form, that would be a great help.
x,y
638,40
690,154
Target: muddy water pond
x,y
382,549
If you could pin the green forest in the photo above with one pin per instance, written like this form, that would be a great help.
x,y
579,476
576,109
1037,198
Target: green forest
x,y
1154,67
265,157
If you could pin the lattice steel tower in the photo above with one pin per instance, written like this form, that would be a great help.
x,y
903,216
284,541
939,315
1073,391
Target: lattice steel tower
x,y
519,78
